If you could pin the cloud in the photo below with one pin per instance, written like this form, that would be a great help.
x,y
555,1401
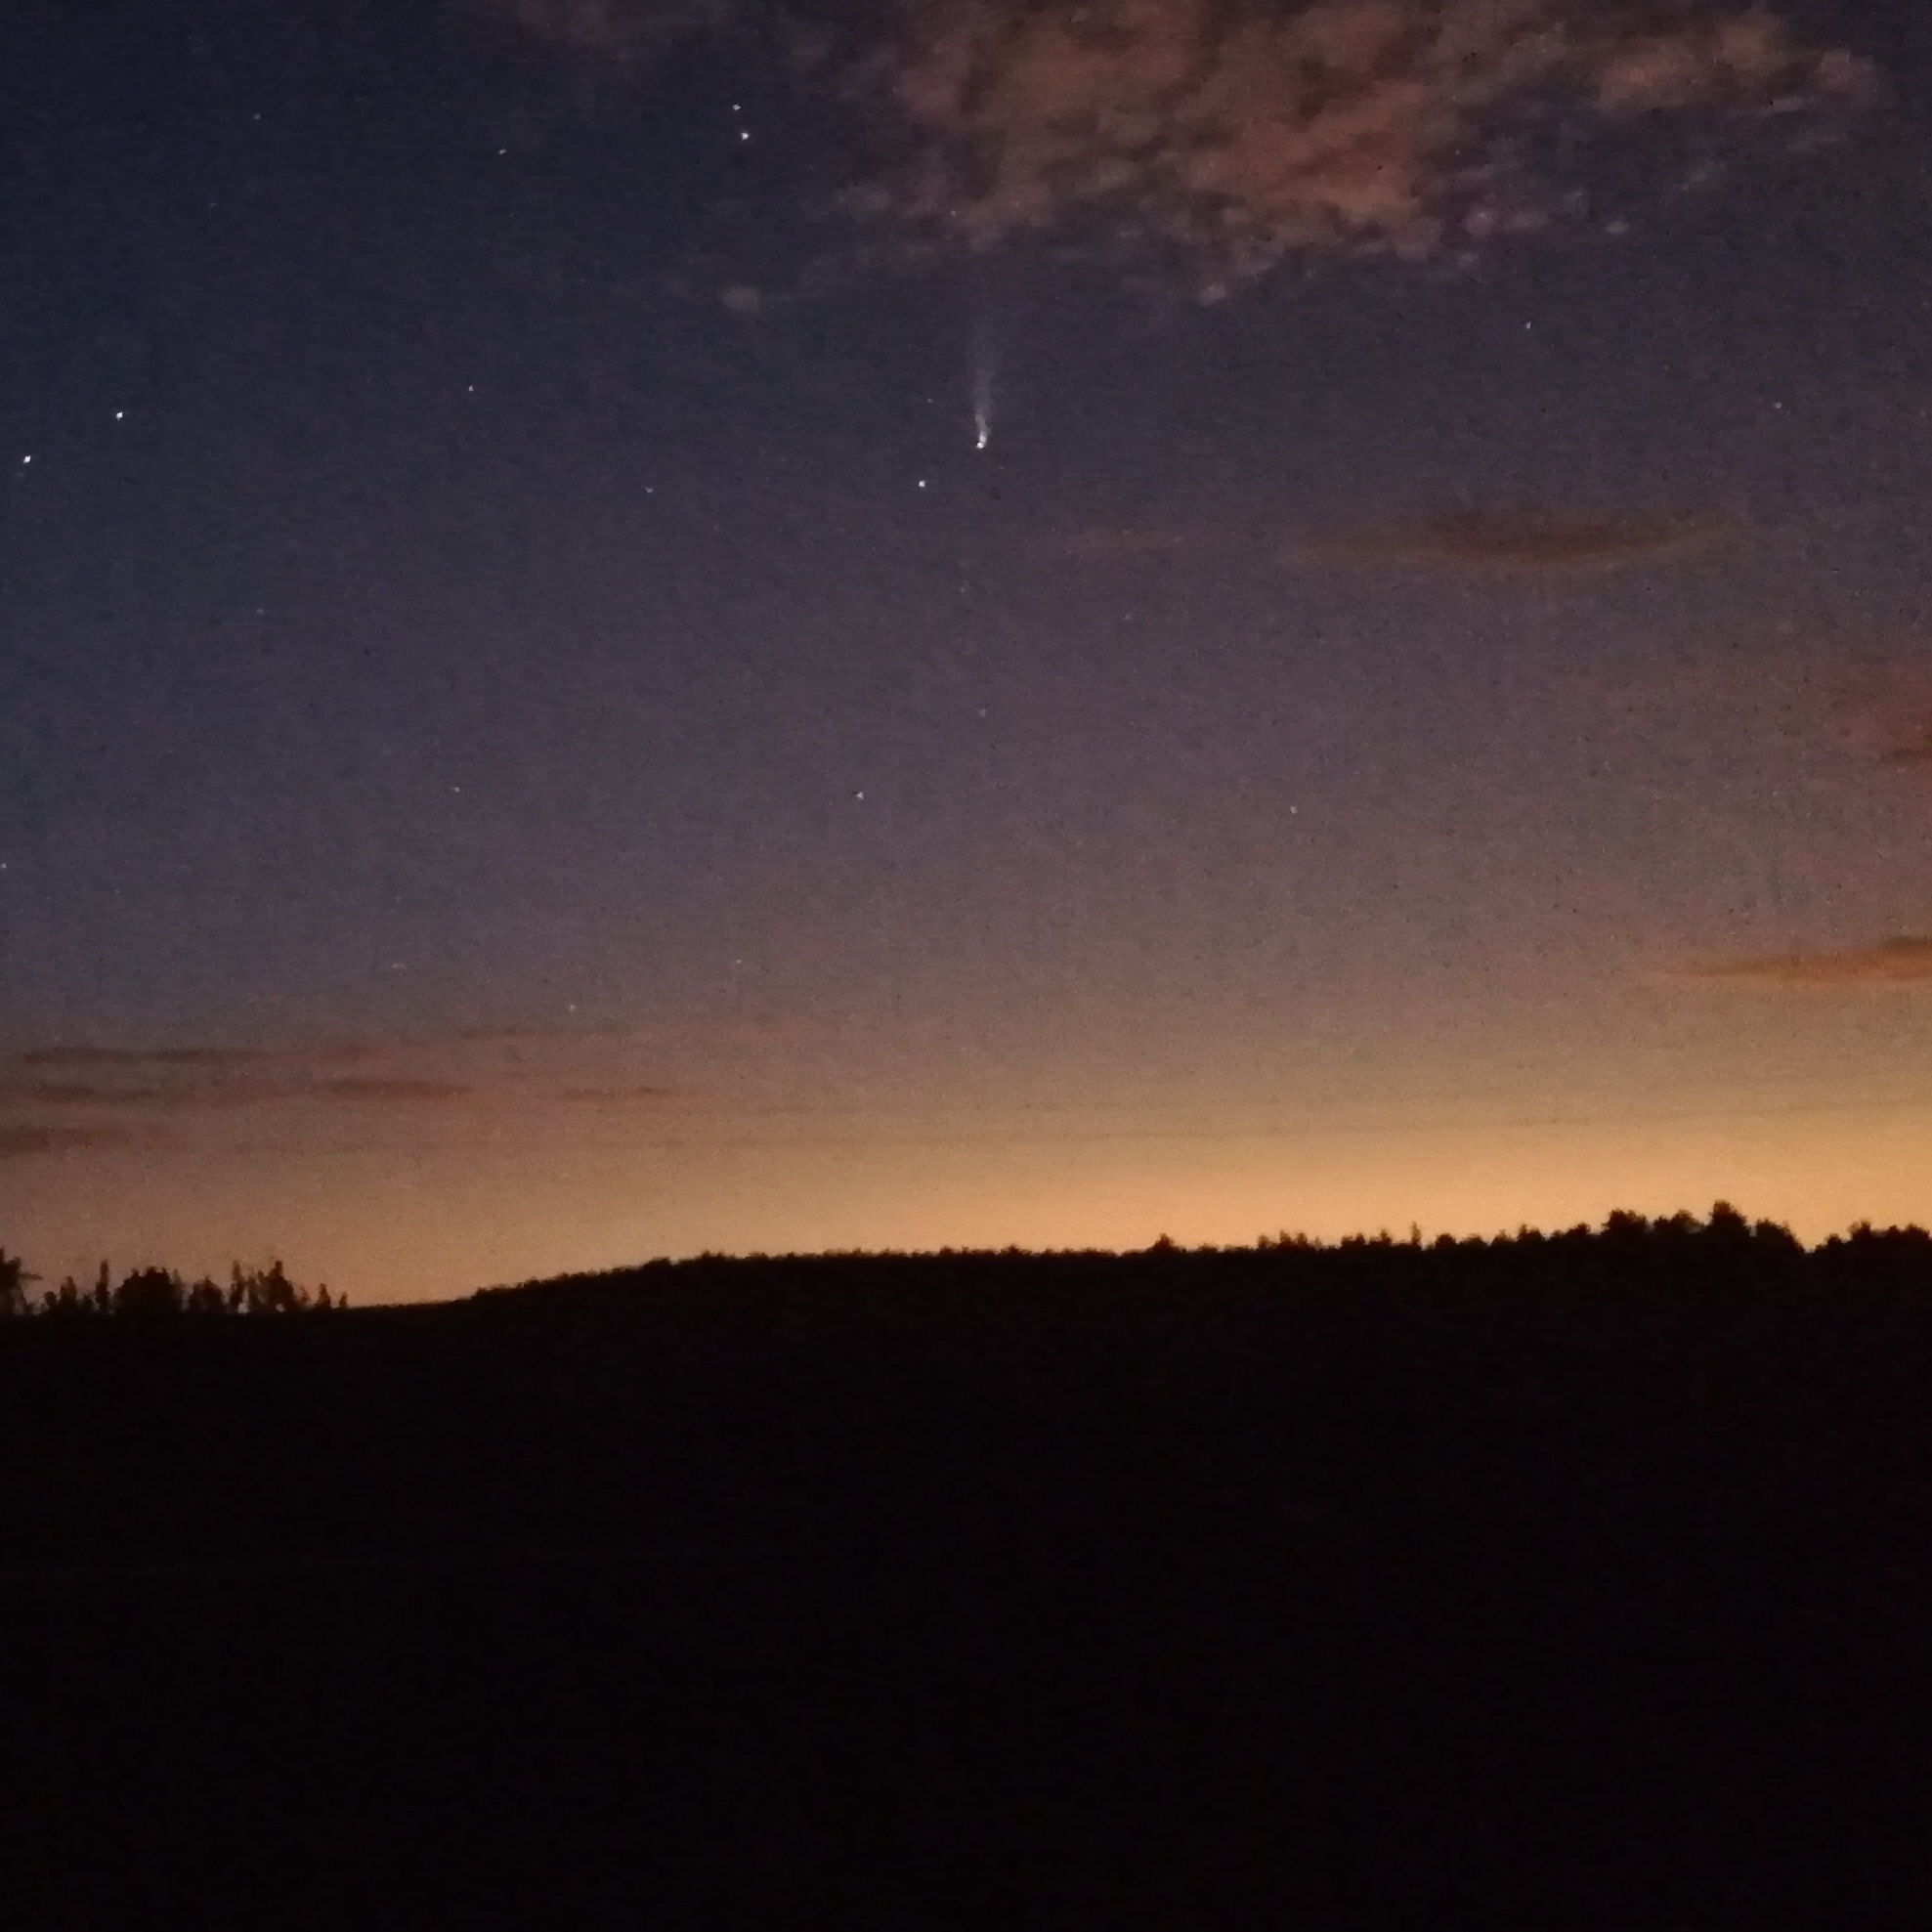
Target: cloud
x,y
211,1063
509,1063
392,1089
1225,136
618,1096
185,1096
217,1095
26,1141
212,1060
510,1034
84,1094
1918,752
1900,962
1206,141
223,1063
197,1079
1511,540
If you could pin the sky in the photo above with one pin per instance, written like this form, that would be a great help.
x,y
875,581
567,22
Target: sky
x,y
629,629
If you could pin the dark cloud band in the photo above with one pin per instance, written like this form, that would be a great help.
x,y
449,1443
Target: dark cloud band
x,y
1511,540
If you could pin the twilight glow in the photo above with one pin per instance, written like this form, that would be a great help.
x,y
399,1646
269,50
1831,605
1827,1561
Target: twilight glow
x,y
550,720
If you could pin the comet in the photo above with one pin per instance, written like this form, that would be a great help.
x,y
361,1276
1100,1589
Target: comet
x,y
983,366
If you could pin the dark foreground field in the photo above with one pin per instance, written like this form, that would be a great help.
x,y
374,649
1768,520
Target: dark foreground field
x,y
1582,1584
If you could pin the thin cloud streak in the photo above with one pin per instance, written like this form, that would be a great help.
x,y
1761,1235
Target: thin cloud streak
x,y
1892,962
85,1094
1918,753
510,1035
504,1065
619,1096
222,1096
407,1091
29,1141
1514,541
220,1061
211,1059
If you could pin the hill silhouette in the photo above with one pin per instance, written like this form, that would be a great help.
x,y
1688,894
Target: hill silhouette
x,y
1577,1579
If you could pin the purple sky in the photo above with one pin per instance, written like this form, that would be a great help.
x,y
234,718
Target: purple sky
x,y
533,738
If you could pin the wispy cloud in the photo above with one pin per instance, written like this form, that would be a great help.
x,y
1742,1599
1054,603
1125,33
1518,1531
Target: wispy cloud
x,y
221,1062
515,1035
411,1090
1514,541
215,1061
1903,962
606,1096
1205,142
1917,751
84,1094
210,1059
30,1140
1229,134
221,1094
511,1064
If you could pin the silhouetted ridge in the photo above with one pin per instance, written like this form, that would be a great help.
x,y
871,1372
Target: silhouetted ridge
x,y
1677,1249
1561,1580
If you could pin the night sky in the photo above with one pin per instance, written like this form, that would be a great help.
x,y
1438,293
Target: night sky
x,y
530,736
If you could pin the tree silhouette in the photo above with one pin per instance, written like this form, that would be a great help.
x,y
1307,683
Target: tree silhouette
x,y
153,1292
13,1278
149,1293
265,1291
206,1297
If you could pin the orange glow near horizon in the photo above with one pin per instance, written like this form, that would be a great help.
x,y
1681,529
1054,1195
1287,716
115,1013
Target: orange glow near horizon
x,y
392,1225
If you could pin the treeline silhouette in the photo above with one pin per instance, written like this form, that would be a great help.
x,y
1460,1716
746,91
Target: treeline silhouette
x,y
1553,1580
1628,1250
1628,1246
148,1292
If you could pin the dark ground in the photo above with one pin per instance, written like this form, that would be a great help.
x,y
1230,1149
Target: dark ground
x,y
1581,1585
